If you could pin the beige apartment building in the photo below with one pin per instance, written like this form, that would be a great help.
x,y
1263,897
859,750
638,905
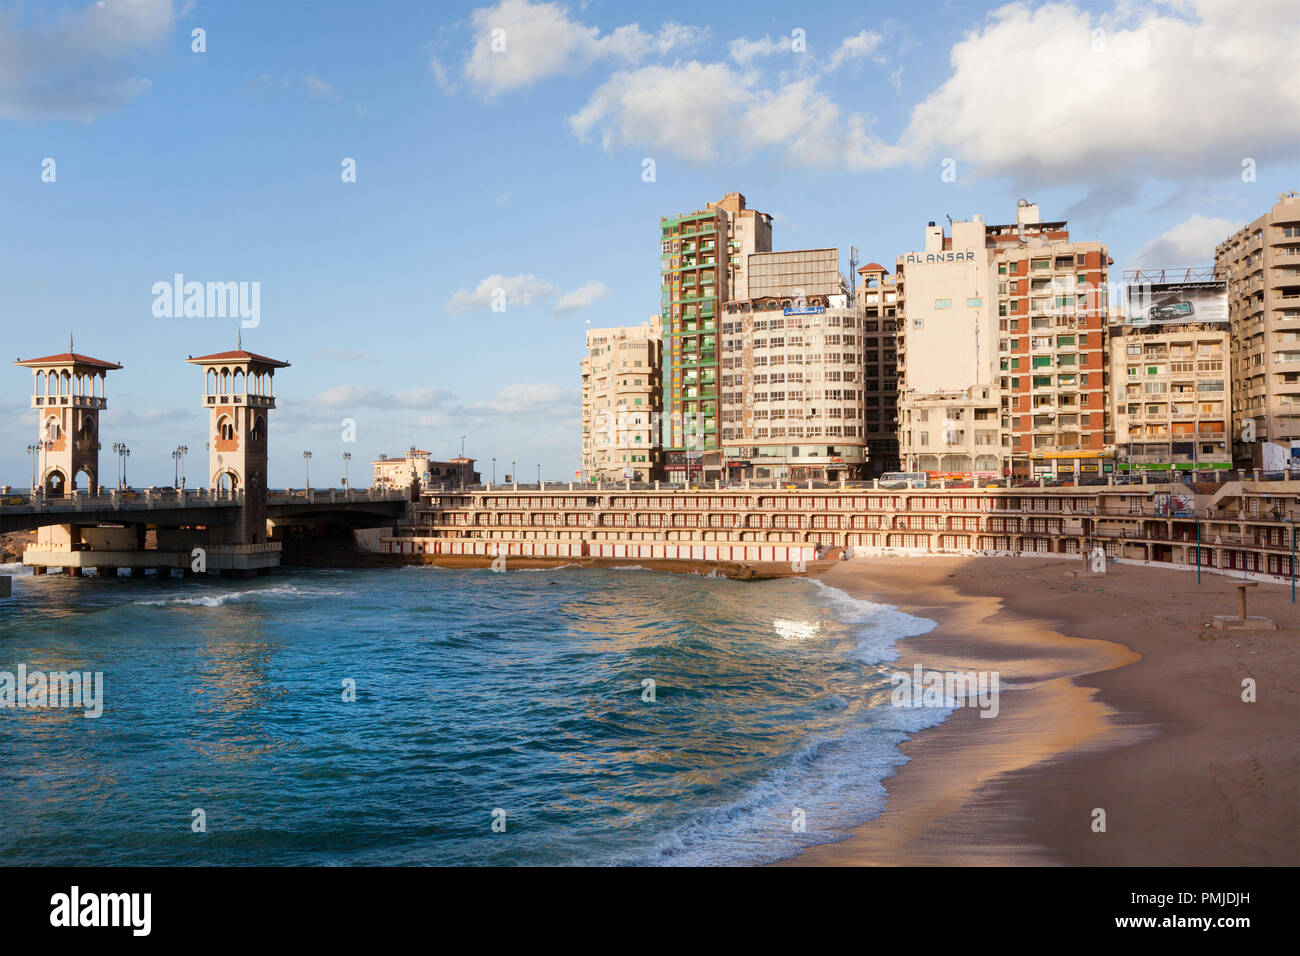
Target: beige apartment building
x,y
1002,351
621,403
1261,263
1171,397
791,399
417,470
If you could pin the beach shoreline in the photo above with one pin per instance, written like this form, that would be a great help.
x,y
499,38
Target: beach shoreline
x,y
1117,696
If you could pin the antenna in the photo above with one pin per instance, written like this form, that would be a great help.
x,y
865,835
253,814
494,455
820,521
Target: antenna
x,y
853,275
239,338
69,340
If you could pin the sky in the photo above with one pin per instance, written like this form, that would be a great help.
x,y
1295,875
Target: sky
x,y
379,169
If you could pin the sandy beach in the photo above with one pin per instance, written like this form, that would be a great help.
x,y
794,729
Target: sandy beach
x,y
1116,694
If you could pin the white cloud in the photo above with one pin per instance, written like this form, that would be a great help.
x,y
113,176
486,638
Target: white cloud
x,y
523,290
77,66
535,41
744,49
517,399
682,109
317,87
1038,93
1190,243
1044,94
441,77
517,290
857,47
700,111
580,298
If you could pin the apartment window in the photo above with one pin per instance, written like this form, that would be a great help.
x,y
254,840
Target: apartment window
x,y
974,303
943,303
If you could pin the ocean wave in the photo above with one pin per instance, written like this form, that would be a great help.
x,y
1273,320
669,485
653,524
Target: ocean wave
x,y
830,786
228,597
835,783
877,627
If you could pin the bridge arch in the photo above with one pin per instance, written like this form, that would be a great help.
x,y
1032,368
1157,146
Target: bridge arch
x,y
226,482
55,483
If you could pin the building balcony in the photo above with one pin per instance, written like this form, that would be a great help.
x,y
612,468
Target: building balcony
x,y
69,401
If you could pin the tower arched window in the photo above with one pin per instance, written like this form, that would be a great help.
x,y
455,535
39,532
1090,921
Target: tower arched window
x,y
225,429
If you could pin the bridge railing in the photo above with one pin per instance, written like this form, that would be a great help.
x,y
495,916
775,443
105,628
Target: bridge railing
x,y
122,499
283,496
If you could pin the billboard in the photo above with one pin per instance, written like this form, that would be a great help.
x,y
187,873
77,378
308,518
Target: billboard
x,y
1170,303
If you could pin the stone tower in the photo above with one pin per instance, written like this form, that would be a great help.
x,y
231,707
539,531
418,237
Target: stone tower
x,y
237,391
68,397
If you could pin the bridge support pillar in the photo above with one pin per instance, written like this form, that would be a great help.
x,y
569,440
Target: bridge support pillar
x,y
74,571
105,572
137,572
39,569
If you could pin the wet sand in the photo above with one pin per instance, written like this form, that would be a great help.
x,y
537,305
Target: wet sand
x,y
1124,699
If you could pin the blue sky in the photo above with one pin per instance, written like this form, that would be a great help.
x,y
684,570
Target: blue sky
x,y
520,166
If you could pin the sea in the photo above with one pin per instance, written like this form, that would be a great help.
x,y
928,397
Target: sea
x,y
427,716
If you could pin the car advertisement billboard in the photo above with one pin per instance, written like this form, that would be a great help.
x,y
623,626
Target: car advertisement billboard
x,y
1171,303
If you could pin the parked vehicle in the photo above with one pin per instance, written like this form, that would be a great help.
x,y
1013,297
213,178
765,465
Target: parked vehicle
x,y
904,479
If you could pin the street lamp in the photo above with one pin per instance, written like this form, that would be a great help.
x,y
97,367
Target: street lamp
x,y
347,457
539,476
32,450
494,471
306,470
461,464
123,453
180,453
514,472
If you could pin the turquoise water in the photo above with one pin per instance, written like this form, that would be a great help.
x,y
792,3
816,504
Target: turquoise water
x,y
475,692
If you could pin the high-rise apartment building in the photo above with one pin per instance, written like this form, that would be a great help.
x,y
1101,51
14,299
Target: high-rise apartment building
x,y
878,305
704,262
621,402
1170,392
1261,263
1002,351
792,391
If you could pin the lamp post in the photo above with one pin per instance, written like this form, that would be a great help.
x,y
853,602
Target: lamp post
x,y
494,471
514,472
32,450
176,468
306,470
539,476
347,457
460,465
123,453
181,452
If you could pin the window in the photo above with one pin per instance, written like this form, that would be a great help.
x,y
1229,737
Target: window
x,y
974,303
943,303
